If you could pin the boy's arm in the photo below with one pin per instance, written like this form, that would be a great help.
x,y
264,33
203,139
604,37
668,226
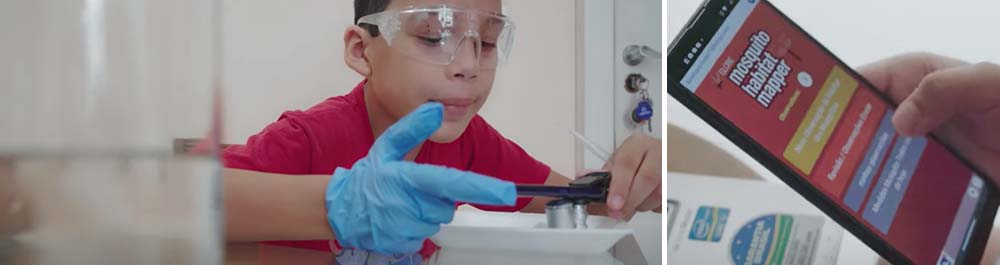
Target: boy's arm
x,y
263,206
14,216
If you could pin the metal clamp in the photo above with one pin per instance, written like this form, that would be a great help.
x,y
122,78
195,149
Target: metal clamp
x,y
566,214
569,210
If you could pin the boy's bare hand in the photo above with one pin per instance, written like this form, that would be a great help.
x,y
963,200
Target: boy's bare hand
x,y
636,176
958,101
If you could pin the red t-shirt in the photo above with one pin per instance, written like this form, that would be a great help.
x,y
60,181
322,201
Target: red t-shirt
x,y
336,133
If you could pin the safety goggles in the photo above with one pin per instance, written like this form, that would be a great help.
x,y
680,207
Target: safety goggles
x,y
436,34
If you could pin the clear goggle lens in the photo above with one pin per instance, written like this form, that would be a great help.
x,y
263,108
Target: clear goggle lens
x,y
441,34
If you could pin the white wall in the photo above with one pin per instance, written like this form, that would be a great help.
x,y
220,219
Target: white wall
x,y
285,55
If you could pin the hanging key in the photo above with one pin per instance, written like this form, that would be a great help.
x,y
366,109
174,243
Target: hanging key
x,y
643,111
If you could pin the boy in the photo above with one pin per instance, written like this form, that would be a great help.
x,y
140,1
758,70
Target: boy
x,y
428,66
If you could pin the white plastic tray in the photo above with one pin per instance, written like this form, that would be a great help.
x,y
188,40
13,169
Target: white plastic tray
x,y
527,232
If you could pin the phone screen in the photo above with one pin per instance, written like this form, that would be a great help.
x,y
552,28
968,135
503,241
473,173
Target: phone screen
x,y
754,75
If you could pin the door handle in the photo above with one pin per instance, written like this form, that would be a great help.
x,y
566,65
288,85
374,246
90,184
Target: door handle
x,y
634,54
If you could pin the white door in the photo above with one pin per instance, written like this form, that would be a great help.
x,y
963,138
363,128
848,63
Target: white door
x,y
637,29
606,29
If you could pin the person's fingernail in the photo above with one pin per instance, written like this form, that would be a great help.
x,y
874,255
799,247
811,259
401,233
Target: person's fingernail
x,y
616,202
907,119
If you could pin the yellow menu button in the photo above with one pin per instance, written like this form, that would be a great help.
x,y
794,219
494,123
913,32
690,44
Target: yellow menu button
x,y
822,118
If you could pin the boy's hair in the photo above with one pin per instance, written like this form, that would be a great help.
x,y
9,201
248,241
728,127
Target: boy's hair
x,y
367,7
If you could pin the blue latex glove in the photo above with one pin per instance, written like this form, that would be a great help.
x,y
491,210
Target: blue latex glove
x,y
387,205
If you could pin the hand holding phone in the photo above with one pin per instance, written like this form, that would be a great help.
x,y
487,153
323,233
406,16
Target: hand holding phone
x,y
831,134
957,100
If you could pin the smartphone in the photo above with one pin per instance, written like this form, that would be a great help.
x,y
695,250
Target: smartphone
x,y
772,89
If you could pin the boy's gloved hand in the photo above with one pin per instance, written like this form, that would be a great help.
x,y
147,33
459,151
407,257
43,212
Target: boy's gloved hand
x,y
387,205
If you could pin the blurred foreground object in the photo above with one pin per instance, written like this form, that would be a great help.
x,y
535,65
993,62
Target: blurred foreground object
x,y
93,94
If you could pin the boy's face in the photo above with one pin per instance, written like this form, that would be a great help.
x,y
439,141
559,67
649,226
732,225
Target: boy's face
x,y
400,82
